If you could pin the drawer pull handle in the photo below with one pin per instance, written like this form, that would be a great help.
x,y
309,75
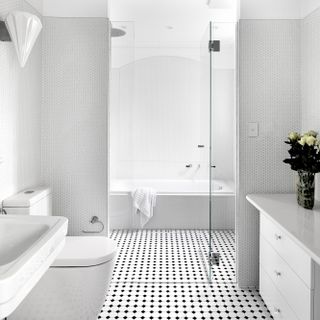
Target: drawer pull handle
x,y
277,310
278,237
278,273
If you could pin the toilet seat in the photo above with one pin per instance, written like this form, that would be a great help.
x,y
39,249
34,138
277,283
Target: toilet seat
x,y
86,251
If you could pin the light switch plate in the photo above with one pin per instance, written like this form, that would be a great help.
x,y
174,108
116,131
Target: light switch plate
x,y
253,129
1,159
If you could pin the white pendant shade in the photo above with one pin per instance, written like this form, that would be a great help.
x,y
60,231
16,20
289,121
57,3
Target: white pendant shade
x,y
24,29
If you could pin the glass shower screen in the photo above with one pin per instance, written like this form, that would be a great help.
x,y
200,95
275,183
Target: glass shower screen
x,y
218,57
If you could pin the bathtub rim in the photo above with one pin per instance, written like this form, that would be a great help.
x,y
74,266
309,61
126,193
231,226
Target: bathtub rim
x,y
187,194
228,191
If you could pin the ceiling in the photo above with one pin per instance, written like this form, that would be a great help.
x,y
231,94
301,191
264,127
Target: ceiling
x,y
171,28
174,10
168,21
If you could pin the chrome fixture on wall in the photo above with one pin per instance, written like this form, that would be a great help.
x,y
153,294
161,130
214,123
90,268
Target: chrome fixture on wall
x,y
23,29
116,32
214,46
95,220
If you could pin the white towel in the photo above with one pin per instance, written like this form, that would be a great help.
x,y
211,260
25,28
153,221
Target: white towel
x,y
144,201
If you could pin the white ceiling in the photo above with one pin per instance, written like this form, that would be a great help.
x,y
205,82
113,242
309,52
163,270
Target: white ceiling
x,y
170,28
193,10
183,21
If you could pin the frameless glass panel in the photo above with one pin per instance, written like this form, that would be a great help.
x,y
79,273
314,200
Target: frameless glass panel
x,y
206,109
218,58
121,111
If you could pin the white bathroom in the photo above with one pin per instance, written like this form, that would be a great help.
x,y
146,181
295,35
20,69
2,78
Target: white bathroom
x,y
159,160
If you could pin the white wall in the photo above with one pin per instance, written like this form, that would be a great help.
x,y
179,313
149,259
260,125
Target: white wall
x,y
158,120
310,77
75,8
157,128
37,5
71,8
223,124
279,81
270,9
20,111
277,9
308,6
310,72
269,89
74,117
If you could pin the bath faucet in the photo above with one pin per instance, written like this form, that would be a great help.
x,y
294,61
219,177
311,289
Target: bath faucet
x,y
189,166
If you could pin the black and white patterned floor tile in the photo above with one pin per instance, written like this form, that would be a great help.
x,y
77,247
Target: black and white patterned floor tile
x,y
163,275
173,256
169,301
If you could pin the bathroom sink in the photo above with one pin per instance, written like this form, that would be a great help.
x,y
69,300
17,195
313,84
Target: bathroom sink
x,y
28,246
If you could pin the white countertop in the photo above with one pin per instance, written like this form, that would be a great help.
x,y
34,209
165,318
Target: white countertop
x,y
301,224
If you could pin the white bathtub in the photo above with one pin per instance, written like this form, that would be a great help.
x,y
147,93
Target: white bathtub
x,y
181,204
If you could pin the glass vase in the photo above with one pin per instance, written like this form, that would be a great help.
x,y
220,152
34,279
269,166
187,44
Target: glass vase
x,y
305,189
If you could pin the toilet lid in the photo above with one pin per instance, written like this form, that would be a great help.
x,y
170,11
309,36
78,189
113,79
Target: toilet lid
x,y
86,251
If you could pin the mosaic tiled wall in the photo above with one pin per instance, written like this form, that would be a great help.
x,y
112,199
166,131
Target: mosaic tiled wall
x,y
310,76
74,118
269,93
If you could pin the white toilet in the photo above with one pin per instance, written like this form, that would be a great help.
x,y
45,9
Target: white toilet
x,y
74,287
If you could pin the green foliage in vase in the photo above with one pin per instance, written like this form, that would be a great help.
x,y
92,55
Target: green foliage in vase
x,y
304,152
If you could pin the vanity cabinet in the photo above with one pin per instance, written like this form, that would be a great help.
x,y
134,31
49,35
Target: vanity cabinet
x,y
287,268
289,257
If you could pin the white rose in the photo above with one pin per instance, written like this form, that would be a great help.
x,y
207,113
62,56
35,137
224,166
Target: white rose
x,y
303,140
311,141
312,133
293,136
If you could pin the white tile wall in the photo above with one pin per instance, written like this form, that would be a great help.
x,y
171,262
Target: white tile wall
x,y
158,119
269,66
310,77
20,111
310,72
308,6
74,117
270,9
158,122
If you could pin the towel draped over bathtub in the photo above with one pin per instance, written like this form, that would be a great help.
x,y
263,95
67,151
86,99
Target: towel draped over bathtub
x,y
144,202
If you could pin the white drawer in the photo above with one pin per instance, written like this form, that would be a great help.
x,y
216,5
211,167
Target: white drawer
x,y
296,258
275,302
296,293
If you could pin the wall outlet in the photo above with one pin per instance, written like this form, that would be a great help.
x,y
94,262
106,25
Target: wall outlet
x,y
253,129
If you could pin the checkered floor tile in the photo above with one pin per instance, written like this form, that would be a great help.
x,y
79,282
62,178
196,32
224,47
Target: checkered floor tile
x,y
173,256
138,301
163,275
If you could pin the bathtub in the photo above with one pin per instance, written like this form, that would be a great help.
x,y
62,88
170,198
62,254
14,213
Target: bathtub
x,y
181,204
